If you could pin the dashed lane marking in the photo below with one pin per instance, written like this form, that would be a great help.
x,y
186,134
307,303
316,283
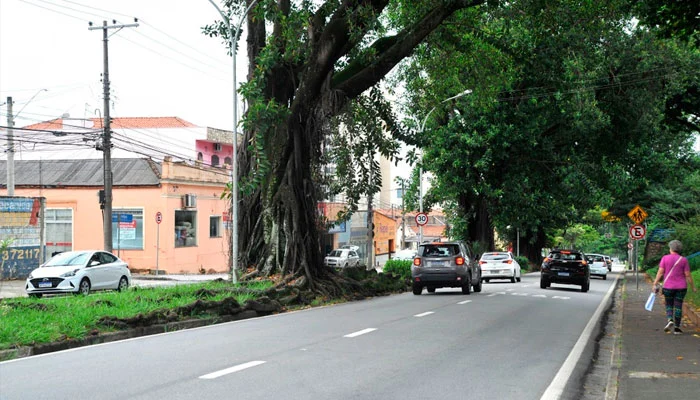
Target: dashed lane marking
x,y
231,370
464,302
358,333
424,314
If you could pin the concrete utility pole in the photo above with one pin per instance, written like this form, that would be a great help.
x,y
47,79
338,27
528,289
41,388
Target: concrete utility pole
x,y
10,150
403,214
107,135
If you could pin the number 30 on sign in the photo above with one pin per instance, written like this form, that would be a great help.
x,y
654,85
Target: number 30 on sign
x,y
421,219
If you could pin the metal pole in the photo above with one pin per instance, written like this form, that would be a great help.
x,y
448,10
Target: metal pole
x,y
234,162
422,128
403,214
10,150
157,246
518,242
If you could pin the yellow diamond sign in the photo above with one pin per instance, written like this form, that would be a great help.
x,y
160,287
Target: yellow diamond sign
x,y
637,214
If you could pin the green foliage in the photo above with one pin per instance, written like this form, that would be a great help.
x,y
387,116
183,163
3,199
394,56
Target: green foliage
x,y
401,268
27,321
689,234
525,264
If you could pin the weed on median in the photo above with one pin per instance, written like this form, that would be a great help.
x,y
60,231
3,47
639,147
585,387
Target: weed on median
x,y
28,321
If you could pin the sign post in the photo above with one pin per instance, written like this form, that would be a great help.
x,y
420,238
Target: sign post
x,y
159,219
637,232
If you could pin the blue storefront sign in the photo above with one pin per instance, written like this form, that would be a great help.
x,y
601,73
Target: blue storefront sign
x,y
122,217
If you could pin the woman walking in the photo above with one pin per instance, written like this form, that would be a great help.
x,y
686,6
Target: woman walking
x,y
675,271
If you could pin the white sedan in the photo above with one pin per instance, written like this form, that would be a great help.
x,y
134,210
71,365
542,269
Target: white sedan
x,y
499,265
598,265
79,272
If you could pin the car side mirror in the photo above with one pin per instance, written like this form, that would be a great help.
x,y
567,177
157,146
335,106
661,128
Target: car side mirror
x,y
93,263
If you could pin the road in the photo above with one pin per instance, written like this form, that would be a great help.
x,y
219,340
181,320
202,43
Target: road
x,y
508,342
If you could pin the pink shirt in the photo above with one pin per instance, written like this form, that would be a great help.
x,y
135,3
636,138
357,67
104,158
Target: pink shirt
x,y
677,278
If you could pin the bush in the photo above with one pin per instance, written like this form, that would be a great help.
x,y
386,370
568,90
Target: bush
x,y
524,263
401,268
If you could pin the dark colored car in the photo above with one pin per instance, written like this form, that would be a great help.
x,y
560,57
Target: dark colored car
x,y
445,264
567,267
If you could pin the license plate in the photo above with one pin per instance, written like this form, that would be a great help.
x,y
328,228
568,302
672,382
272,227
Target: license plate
x,y
44,284
563,274
439,264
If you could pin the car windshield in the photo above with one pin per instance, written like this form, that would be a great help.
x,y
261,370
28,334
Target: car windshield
x,y
566,256
495,256
598,259
336,253
439,250
68,259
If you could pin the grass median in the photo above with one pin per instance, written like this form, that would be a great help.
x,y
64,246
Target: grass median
x,y
28,321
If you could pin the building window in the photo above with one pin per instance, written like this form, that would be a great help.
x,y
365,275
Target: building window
x,y
399,193
227,160
215,227
185,228
214,161
200,157
127,228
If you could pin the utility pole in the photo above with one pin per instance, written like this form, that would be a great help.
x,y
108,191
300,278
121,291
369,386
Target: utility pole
x,y
403,214
107,133
10,150
370,233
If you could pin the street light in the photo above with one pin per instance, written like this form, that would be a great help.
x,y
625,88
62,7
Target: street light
x,y
420,177
234,162
11,142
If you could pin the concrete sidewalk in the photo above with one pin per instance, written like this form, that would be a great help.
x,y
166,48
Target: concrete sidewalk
x,y
650,363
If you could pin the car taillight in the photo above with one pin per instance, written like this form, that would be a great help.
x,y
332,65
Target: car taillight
x,y
482,262
509,262
584,262
459,261
416,261
546,259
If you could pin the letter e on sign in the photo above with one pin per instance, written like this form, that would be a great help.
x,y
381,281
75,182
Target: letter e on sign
x,y
637,232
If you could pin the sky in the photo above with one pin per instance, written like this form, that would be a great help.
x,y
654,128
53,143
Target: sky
x,y
165,67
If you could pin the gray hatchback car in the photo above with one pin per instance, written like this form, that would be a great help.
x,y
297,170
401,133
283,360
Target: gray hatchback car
x,y
445,264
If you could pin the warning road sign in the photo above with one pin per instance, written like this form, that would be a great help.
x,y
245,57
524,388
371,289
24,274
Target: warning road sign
x,y
637,214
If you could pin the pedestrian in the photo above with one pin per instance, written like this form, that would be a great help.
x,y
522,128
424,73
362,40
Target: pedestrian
x,y
675,271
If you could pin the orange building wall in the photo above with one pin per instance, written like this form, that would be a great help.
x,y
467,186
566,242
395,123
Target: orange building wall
x,y
209,253
384,234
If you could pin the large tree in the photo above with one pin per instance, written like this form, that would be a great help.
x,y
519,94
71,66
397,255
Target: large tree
x,y
308,61
567,113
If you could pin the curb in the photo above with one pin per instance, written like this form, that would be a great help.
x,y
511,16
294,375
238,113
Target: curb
x,y
616,354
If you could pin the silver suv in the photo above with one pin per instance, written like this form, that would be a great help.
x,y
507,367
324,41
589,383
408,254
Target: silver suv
x,y
445,264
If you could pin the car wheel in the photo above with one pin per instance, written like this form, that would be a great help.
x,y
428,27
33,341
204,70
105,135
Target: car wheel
x,y
512,280
585,287
544,283
431,289
84,287
486,280
35,295
605,277
123,284
477,287
417,289
467,288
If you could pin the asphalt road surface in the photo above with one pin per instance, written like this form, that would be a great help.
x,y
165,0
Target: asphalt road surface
x,y
511,341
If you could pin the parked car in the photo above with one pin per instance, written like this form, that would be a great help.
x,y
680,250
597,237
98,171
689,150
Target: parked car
x,y
499,265
342,258
445,264
568,267
598,265
350,247
405,254
79,272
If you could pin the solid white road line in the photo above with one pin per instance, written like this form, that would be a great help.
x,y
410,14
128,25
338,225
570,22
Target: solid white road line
x,y
362,332
424,314
464,302
231,370
561,297
556,388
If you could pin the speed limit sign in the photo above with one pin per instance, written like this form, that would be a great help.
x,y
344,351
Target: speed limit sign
x,y
421,219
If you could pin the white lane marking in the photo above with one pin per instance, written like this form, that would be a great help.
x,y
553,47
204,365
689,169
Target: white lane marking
x,y
464,302
556,388
561,297
525,285
509,290
539,295
519,294
493,294
231,370
424,314
362,332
